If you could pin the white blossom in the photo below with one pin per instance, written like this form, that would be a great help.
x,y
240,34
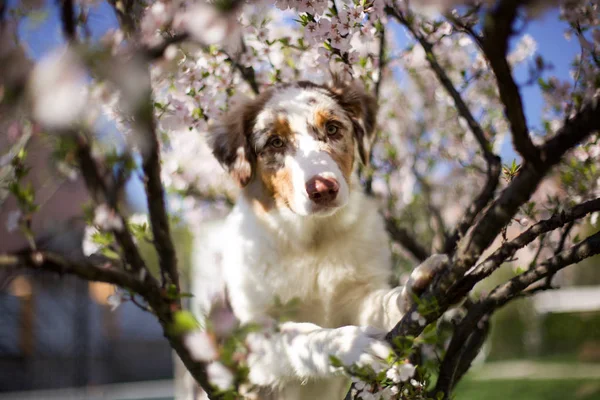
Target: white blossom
x,y
57,90
525,48
594,218
88,245
201,346
219,375
400,373
107,219
415,316
208,25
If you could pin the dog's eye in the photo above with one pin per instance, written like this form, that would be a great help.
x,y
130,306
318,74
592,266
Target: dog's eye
x,y
332,129
276,142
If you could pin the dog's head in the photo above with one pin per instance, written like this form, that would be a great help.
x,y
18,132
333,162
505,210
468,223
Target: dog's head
x,y
294,145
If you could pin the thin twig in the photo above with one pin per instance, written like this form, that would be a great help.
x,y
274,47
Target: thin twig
x,y
494,166
508,249
68,19
560,246
502,294
106,271
382,61
406,240
155,196
497,31
97,187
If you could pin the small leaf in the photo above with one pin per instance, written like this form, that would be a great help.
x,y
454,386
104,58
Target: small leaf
x,y
184,321
335,362
110,253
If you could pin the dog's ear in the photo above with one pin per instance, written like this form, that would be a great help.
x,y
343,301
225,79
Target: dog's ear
x,y
229,141
362,109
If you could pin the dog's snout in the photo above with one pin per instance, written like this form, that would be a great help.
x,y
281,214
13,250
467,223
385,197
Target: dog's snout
x,y
322,190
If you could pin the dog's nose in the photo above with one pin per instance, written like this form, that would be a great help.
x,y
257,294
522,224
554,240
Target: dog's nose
x,y
322,190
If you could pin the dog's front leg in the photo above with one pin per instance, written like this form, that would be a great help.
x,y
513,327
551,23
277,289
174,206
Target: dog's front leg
x,y
383,308
300,351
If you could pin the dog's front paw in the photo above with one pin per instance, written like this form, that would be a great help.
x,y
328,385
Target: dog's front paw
x,y
420,278
263,360
361,346
301,351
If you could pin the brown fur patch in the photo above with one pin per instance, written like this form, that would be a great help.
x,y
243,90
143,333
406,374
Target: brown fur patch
x,y
344,158
321,118
261,200
278,186
282,127
229,139
362,110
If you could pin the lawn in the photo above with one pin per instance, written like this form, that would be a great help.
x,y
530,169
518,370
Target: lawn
x,y
528,389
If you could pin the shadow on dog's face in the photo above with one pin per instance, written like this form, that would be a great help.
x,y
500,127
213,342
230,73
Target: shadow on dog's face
x,y
294,145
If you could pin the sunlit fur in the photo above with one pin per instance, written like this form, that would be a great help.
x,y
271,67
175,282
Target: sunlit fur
x,y
277,244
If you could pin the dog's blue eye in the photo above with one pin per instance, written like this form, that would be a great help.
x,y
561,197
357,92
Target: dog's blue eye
x,y
331,129
276,142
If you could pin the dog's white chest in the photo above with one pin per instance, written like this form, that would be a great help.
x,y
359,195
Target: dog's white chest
x,y
317,271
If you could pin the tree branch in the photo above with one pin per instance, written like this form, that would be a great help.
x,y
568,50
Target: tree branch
x,y
501,295
559,248
406,240
499,214
508,249
382,62
157,51
496,34
441,234
67,16
521,188
124,13
96,186
91,270
494,166
247,72
461,352
155,194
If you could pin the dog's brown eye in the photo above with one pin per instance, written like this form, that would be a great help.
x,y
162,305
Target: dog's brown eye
x,y
276,142
332,129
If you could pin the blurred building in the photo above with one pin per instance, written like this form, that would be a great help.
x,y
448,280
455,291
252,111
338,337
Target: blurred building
x,y
59,331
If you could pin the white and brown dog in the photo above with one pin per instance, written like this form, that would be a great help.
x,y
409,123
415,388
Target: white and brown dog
x,y
302,228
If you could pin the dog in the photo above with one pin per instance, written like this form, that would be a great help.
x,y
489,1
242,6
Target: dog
x,y
303,229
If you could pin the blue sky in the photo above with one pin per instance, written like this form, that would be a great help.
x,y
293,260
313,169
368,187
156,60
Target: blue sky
x,y
43,34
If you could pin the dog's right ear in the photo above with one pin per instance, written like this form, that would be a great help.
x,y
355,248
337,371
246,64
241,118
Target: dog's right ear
x,y
228,139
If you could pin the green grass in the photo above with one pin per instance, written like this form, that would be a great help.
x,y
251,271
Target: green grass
x,y
524,389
